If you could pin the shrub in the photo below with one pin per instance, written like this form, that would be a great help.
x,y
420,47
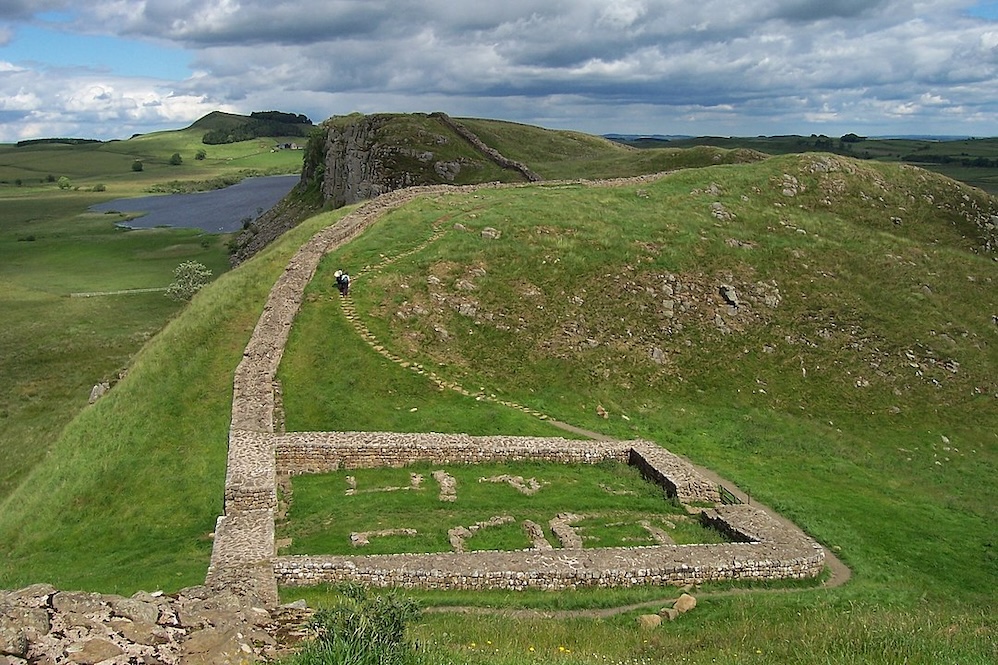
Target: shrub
x,y
190,277
176,159
65,183
200,154
363,629
137,165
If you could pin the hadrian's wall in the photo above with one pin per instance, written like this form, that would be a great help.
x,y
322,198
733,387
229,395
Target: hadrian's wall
x,y
244,555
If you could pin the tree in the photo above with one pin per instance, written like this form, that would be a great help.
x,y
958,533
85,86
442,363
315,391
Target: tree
x,y
65,183
200,155
176,159
190,277
137,165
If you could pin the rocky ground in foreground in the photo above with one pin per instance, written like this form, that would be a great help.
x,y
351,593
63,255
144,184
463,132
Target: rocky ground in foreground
x,y
44,626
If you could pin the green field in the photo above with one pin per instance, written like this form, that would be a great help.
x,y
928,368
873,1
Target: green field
x,y
853,389
612,500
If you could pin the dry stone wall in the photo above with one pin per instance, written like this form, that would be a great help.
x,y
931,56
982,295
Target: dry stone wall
x,y
244,554
786,555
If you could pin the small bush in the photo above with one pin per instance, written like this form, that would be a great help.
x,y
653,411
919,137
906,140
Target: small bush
x,y
137,165
200,155
176,159
190,277
363,629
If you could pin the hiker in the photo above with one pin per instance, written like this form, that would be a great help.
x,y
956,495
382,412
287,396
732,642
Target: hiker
x,y
343,282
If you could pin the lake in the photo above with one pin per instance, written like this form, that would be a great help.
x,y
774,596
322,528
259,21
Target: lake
x,y
217,211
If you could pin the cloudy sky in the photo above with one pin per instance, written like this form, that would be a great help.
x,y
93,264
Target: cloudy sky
x,y
112,68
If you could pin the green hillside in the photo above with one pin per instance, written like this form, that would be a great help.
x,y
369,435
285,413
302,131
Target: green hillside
x,y
973,160
816,328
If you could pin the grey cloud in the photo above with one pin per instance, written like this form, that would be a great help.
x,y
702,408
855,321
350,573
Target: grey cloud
x,y
24,9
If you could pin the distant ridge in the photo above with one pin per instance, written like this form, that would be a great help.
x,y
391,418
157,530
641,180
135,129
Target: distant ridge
x,y
639,137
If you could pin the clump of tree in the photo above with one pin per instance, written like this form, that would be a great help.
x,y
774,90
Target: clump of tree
x,y
260,123
176,159
66,141
189,278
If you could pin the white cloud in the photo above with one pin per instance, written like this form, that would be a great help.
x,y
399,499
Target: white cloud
x,y
596,65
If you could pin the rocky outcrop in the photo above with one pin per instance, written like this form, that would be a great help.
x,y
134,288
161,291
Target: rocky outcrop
x,y
370,155
40,624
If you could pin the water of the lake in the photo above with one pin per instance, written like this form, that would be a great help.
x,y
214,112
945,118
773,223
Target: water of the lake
x,y
217,211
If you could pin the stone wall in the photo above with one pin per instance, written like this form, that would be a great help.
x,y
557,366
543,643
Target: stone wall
x,y
784,554
486,150
318,452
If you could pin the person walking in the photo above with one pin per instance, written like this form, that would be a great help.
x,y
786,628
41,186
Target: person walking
x,y
343,282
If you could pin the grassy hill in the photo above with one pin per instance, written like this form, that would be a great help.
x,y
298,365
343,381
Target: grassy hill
x,y
972,160
816,328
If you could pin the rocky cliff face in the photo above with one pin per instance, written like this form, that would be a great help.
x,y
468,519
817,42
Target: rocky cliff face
x,y
369,155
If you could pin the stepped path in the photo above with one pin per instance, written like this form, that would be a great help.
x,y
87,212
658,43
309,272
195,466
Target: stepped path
x,y
244,549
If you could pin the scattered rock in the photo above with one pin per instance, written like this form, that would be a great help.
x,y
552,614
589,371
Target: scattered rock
x,y
668,613
729,294
98,391
658,356
601,412
489,233
718,210
685,603
649,621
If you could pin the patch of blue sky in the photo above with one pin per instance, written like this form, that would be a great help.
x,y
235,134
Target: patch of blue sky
x,y
988,10
124,57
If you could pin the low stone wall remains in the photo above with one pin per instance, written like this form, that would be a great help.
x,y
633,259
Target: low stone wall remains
x,y
319,452
785,555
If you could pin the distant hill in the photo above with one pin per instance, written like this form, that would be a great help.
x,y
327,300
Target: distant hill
x,y
970,160
232,128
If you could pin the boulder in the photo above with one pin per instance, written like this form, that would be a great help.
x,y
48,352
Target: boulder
x,y
729,294
685,603
13,642
649,621
135,610
78,602
668,613
34,620
93,651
